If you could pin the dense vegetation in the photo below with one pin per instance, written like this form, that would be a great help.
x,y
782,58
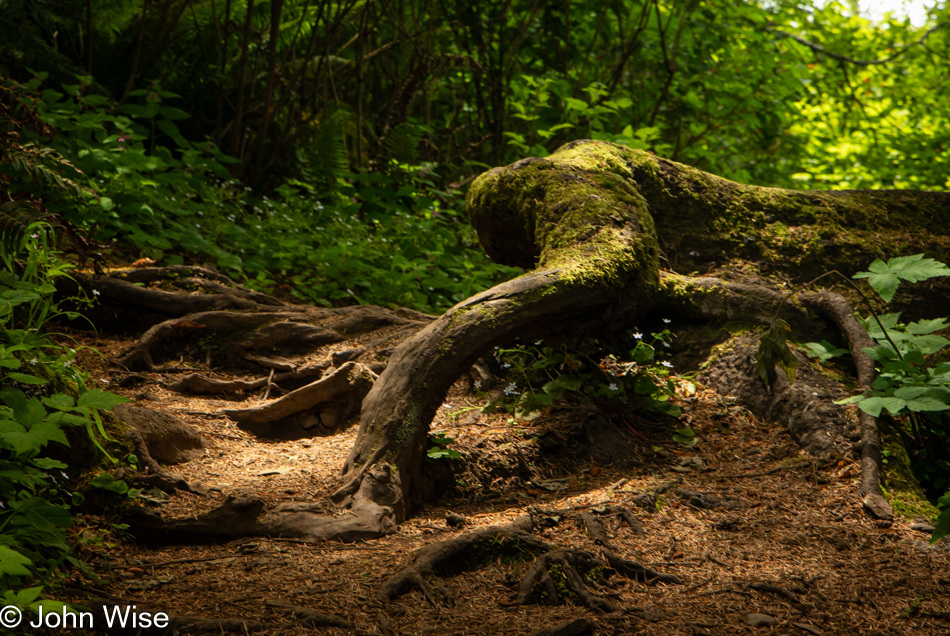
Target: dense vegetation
x,y
320,149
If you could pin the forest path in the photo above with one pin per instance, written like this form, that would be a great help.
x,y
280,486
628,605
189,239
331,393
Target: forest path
x,y
774,532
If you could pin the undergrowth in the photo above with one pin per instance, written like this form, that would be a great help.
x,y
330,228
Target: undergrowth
x,y
141,189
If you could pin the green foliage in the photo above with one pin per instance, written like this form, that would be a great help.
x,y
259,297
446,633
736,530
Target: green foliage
x,y
773,352
541,377
440,441
886,277
823,350
909,384
37,408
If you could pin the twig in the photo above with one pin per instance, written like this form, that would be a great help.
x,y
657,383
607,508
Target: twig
x,y
698,585
270,383
817,48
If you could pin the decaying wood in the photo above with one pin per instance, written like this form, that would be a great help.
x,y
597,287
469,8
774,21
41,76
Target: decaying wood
x,y
319,407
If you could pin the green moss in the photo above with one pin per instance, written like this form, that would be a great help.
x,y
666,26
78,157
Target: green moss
x,y
567,213
409,424
701,217
900,488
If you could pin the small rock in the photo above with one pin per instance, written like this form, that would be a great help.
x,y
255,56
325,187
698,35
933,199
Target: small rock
x,y
922,525
645,501
454,520
760,620
811,629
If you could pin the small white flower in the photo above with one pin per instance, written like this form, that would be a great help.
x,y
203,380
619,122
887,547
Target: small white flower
x,y
34,361
638,335
667,364
96,292
68,363
506,365
666,344
478,384
612,386
34,235
694,253
667,320
511,389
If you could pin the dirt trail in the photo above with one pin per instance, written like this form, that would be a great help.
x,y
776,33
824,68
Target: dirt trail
x,y
748,522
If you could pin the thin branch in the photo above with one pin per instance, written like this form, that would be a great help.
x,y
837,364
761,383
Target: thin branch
x,y
844,58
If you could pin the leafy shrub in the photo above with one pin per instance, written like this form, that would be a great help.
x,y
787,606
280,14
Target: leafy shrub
x,y
34,492
909,385
541,377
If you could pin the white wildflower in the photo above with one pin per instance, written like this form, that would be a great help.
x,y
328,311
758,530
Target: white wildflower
x,y
666,344
96,292
478,384
612,386
667,320
506,365
667,364
638,335
511,389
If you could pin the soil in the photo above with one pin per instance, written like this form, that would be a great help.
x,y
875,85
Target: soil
x,y
750,524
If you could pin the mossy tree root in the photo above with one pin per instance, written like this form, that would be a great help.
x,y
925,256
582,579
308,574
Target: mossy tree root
x,y
590,238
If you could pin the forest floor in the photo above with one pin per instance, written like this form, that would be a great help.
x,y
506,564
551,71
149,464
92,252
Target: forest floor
x,y
793,545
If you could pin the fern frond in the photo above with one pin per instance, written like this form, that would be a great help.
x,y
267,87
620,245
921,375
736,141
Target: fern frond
x,y
402,143
328,152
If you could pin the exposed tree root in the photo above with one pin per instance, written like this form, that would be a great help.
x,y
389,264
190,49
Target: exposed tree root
x,y
154,474
319,407
554,575
576,627
840,311
367,518
309,617
452,555
140,356
198,384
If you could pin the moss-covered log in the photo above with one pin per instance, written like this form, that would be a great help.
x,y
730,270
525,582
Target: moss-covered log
x,y
591,222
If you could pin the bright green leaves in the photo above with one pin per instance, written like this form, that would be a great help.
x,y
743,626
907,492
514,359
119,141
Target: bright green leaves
x,y
823,350
440,441
543,377
886,277
774,352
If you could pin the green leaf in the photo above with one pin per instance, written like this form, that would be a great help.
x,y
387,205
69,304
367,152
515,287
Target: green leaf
x,y
774,352
942,526
824,350
927,404
886,277
13,563
99,399
23,378
36,438
874,405
922,327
